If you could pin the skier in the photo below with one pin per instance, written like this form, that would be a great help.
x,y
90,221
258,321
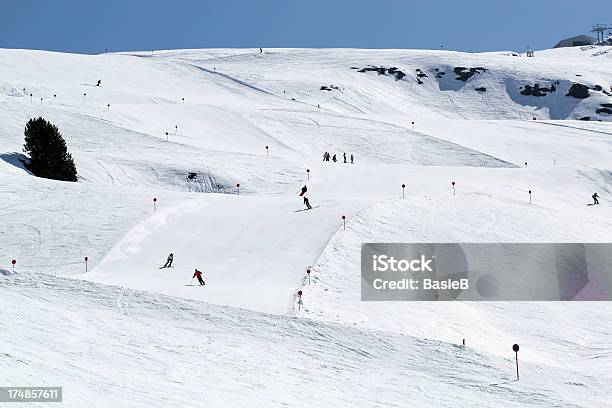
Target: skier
x,y
99,82
325,156
168,263
595,198
351,159
307,203
334,158
198,274
344,157
260,50
304,190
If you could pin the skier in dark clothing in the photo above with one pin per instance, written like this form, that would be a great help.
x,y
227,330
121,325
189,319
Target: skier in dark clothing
x,y
344,157
351,159
198,274
260,50
307,203
168,263
304,190
595,198
334,158
99,82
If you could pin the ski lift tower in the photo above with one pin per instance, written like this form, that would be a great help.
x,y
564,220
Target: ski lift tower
x,y
600,30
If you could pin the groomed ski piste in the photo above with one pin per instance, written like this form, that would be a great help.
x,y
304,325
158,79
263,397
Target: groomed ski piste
x,y
126,333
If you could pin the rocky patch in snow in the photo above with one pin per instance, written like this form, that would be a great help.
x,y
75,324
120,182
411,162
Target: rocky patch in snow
x,y
605,108
463,73
393,71
440,73
536,90
329,88
600,88
579,91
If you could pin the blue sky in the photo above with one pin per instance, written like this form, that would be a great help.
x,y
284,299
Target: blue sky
x,y
90,26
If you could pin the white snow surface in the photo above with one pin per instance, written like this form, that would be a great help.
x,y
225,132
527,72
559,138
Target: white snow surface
x,y
127,333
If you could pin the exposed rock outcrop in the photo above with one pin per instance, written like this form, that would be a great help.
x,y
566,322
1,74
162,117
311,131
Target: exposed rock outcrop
x,y
463,73
579,91
536,90
393,71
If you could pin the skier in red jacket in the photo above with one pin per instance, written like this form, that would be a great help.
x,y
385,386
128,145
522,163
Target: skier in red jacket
x,y
198,274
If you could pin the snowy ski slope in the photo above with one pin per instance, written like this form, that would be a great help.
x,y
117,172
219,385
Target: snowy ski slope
x,y
118,347
220,109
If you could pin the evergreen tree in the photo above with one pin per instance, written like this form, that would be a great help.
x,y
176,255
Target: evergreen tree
x,y
49,157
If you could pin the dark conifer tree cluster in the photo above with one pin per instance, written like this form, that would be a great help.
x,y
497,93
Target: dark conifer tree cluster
x,y
49,157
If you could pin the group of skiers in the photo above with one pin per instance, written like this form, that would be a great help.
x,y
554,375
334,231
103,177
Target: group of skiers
x,y
197,274
327,156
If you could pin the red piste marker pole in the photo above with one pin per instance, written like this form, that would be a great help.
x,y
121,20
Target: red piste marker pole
x,y
529,196
344,221
308,273
403,191
238,187
515,347
86,259
453,183
14,261
266,151
154,204
300,300
308,174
